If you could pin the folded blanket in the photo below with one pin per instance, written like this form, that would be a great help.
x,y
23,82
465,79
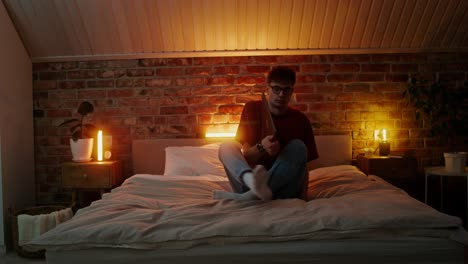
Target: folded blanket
x,y
32,226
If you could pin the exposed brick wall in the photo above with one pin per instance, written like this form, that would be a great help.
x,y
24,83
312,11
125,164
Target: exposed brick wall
x,y
156,98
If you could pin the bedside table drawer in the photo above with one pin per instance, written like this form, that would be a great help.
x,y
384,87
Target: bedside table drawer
x,y
86,177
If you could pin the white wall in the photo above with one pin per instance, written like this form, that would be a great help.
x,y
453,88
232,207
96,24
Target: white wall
x,y
16,125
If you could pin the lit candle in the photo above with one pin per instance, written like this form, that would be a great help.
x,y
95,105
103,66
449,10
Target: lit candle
x,y
99,147
384,135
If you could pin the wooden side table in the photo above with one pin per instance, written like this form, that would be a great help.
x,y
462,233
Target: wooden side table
x,y
441,173
401,172
98,176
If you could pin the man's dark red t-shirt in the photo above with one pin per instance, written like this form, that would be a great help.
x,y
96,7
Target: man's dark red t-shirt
x,y
291,125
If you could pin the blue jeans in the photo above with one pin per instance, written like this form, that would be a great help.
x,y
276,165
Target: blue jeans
x,y
286,174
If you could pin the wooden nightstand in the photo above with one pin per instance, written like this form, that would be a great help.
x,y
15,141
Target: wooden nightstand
x,y
91,176
401,172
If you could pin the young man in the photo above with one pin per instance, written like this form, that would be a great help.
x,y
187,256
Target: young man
x,y
266,166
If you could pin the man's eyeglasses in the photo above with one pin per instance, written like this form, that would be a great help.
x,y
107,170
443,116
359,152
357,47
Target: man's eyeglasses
x,y
285,90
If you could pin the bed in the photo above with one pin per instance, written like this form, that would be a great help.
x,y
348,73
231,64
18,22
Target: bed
x,y
165,214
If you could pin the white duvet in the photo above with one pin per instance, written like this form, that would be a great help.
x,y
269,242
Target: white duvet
x,y
177,212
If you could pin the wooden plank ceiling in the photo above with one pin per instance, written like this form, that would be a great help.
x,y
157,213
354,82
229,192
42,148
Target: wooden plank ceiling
x,y
96,29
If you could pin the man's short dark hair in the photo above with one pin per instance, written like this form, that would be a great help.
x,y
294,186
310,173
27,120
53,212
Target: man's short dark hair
x,y
282,74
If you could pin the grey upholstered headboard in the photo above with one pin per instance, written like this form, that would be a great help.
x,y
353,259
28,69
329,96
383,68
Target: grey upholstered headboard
x,y
148,155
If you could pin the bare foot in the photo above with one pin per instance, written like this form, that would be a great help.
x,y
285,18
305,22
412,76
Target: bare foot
x,y
257,181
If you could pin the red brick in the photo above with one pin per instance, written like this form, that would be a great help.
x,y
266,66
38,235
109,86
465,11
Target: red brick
x,y
204,119
52,75
208,61
221,80
114,111
294,58
108,64
100,83
226,70
323,107
54,113
208,90
309,97
337,116
387,87
349,67
233,118
174,110
203,109
165,62
177,91
160,82
329,88
257,69
405,68
220,119
170,71
182,119
370,77
130,83
304,88
220,99
346,77
150,92
266,59
375,67
198,71
349,125
310,78
236,90
196,81
238,60
72,84
120,93
353,116
368,97
144,111
357,87
135,73
81,74
61,95
315,68
230,109
396,77
196,100
343,97
250,80
44,85
91,94
242,99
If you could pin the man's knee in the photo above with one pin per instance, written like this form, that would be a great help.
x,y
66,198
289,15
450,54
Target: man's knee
x,y
298,147
227,148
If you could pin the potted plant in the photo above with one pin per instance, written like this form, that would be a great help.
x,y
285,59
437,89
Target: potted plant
x,y
81,141
443,109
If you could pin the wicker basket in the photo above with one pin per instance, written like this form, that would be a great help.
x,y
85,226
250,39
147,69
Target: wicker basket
x,y
37,210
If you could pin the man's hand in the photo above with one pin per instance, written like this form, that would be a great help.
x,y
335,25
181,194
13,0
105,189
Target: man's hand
x,y
271,145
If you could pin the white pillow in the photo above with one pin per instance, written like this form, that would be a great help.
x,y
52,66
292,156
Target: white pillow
x,y
193,161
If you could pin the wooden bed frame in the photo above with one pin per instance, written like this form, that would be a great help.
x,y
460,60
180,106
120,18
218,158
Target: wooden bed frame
x,y
149,154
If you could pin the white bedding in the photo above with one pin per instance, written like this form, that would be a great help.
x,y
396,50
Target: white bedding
x,y
177,212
